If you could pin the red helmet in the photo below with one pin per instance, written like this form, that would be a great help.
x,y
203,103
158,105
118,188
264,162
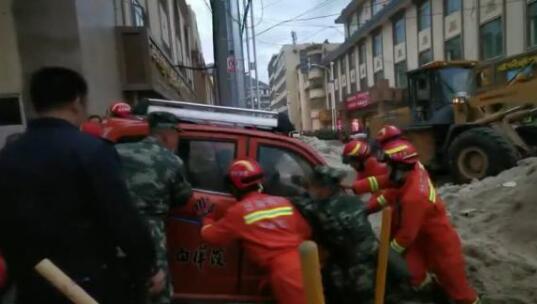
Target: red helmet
x,y
388,132
356,149
244,173
401,151
120,109
92,128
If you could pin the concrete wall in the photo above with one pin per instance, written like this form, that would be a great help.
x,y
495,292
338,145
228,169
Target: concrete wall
x,y
96,22
387,51
45,39
471,29
437,9
516,31
10,70
412,37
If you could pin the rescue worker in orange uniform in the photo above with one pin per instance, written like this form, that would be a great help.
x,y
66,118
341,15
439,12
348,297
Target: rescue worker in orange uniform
x,y
388,133
357,154
421,230
270,228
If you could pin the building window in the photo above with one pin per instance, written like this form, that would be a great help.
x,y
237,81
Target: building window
x,y
138,13
491,39
378,76
424,15
377,6
352,60
399,30
363,84
165,25
453,48
353,24
532,23
363,53
401,80
377,45
425,57
452,6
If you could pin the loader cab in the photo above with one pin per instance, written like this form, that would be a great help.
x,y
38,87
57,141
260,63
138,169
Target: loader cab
x,y
433,89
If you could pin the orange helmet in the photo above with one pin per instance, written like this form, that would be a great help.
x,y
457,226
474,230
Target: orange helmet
x,y
388,132
401,151
120,109
245,173
356,149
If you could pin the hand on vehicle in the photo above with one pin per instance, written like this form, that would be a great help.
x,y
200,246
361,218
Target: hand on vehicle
x,y
203,207
157,282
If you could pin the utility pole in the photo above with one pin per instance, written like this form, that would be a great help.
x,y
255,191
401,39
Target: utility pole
x,y
255,56
250,76
228,53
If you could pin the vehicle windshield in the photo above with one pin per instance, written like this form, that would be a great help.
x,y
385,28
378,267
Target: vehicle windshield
x,y
454,81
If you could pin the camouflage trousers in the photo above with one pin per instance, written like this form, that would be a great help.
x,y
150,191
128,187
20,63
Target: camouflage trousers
x,y
356,284
158,233
349,284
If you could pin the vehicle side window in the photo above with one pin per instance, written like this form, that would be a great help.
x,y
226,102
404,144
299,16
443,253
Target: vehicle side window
x,y
281,166
206,162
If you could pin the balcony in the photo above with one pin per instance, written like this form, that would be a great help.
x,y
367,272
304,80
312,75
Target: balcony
x,y
317,93
315,73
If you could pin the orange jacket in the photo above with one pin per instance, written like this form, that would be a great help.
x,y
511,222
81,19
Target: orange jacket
x,y
372,167
420,211
267,225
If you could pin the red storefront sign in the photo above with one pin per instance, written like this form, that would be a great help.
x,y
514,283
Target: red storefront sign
x,y
358,101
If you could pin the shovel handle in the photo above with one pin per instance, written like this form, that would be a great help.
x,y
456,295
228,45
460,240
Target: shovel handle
x,y
63,283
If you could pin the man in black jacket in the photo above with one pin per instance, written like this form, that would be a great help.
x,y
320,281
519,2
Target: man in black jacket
x,y
62,198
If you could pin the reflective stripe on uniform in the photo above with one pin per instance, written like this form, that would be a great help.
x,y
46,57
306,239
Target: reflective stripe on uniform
x,y
396,149
395,246
373,184
428,280
267,214
356,149
382,201
206,226
432,192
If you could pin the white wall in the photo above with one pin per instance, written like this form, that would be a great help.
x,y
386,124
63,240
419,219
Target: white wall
x,y
369,59
471,29
412,37
437,10
387,52
516,32
10,69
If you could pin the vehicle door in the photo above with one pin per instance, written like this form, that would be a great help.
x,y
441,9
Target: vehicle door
x,y
200,270
282,162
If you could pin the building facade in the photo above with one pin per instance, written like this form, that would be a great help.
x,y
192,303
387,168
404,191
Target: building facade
x,y
387,38
264,94
126,49
314,87
283,82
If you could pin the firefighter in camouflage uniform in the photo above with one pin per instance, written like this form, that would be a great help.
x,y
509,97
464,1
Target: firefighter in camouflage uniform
x,y
340,226
156,181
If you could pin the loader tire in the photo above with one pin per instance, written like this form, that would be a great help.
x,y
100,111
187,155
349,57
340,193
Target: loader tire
x,y
480,152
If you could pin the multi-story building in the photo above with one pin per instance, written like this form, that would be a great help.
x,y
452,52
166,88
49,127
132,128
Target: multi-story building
x,y
313,91
126,49
385,39
251,95
283,82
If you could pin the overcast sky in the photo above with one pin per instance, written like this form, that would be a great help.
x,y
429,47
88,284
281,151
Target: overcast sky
x,y
270,12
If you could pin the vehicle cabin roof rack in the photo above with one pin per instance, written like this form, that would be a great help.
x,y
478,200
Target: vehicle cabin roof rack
x,y
202,113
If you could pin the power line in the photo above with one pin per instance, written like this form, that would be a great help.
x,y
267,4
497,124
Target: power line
x,y
320,5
